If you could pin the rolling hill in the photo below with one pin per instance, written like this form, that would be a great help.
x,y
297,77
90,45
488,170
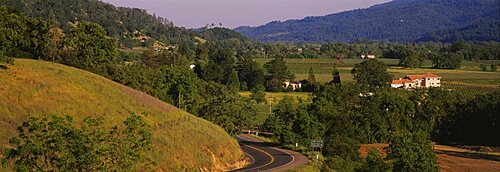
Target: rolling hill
x,y
395,21
181,141
118,21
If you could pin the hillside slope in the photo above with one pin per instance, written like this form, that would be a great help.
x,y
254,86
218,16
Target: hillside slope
x,y
181,141
396,21
118,21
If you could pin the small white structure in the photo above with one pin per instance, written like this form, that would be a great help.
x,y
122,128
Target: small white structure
x,y
369,56
416,81
294,84
192,66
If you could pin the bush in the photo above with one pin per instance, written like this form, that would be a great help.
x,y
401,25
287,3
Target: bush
x,y
337,163
5,59
483,67
342,146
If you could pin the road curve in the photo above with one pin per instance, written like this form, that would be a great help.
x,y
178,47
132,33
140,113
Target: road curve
x,y
263,157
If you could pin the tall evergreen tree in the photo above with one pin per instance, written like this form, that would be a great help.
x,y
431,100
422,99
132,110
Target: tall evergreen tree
x,y
335,76
277,73
311,78
234,82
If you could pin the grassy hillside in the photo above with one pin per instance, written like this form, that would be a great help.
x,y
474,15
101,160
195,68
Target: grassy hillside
x,y
181,141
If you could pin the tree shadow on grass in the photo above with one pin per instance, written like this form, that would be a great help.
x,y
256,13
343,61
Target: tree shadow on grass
x,y
3,67
471,155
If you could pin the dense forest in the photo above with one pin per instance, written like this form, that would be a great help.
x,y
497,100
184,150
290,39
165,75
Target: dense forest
x,y
120,22
395,21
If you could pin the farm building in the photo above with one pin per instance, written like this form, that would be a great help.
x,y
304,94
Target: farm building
x,y
417,81
369,56
294,84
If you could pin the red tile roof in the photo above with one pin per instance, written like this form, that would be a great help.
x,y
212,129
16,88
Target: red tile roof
x,y
412,78
415,77
402,81
431,75
421,77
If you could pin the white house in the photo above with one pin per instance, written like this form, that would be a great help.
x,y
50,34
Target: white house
x,y
294,84
369,56
416,81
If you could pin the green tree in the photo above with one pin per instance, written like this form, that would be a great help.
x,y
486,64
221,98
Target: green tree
x,y
412,152
234,81
338,163
90,47
227,110
258,94
375,163
311,78
493,68
12,31
55,144
251,73
447,61
53,45
336,76
412,61
483,67
342,146
371,72
277,73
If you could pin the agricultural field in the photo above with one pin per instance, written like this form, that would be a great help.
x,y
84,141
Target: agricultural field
x,y
275,98
469,76
264,109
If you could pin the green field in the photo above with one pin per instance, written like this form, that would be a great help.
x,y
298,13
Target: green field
x,y
264,109
275,98
470,73
181,141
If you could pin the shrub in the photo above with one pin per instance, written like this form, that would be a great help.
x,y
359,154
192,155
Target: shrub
x,y
55,144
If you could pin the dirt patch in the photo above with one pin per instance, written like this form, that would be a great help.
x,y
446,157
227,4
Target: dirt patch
x,y
455,162
365,148
453,159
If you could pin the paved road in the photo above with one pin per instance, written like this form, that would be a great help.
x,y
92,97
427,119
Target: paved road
x,y
263,157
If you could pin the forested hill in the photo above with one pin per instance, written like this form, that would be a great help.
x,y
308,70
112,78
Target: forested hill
x,y
395,21
118,21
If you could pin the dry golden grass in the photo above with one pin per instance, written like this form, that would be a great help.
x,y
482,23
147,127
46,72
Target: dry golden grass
x,y
181,141
276,97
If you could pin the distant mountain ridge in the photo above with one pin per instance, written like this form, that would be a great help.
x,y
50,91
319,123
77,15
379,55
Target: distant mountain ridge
x,y
395,21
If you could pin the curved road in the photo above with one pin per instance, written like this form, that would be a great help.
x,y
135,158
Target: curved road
x,y
263,157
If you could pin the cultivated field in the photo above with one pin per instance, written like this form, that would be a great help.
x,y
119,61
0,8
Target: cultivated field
x,y
469,76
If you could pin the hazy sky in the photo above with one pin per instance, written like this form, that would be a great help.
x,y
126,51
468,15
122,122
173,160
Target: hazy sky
x,y
234,13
